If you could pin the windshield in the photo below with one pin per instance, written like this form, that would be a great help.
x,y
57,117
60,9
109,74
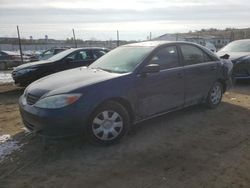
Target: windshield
x,y
122,60
237,46
61,55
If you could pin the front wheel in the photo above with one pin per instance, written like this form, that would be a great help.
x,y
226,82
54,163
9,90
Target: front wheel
x,y
215,95
108,124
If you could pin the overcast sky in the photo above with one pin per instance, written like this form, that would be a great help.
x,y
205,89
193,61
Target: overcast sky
x,y
133,18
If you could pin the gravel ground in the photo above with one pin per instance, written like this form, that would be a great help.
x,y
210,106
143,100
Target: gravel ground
x,y
190,148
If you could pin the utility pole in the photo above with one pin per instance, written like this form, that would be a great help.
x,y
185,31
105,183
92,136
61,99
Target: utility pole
x,y
117,35
245,34
176,37
232,35
150,36
74,38
20,45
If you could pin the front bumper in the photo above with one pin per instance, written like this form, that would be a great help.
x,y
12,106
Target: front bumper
x,y
20,79
67,121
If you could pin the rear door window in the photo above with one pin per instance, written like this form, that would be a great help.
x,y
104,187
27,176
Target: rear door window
x,y
193,55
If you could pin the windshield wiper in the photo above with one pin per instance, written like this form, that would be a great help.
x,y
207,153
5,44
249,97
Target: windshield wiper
x,y
106,70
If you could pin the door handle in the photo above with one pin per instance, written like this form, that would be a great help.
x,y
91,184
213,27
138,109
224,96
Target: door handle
x,y
180,75
213,67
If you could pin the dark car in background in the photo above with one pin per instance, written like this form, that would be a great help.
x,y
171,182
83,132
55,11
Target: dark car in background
x,y
12,56
68,59
9,59
127,85
239,54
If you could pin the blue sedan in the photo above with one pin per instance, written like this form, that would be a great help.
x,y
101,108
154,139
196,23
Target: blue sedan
x,y
127,85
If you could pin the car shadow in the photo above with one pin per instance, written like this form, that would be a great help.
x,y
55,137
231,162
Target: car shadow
x,y
242,87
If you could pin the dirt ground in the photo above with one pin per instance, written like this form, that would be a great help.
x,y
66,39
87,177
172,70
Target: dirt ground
x,y
191,148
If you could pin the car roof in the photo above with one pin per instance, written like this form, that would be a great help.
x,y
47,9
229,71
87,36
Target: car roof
x,y
89,48
10,52
247,40
156,43
81,48
148,43
85,48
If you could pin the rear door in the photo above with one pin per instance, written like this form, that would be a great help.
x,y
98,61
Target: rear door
x,y
200,72
162,91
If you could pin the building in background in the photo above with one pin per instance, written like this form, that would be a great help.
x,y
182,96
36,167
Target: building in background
x,y
211,42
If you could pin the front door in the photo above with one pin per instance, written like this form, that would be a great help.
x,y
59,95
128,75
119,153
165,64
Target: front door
x,y
77,59
162,91
81,58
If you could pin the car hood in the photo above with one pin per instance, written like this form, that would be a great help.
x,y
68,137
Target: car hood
x,y
68,81
33,65
233,55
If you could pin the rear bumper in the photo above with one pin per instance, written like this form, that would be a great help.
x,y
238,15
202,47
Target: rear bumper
x,y
54,123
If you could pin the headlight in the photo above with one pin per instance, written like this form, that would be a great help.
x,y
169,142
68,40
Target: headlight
x,y
57,101
24,71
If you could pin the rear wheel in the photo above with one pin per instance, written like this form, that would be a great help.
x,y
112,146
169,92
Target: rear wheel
x,y
108,124
215,95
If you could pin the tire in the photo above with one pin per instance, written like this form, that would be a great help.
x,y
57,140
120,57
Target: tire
x,y
215,95
108,124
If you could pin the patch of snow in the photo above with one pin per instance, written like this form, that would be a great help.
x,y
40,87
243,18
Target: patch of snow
x,y
7,146
26,131
4,138
5,77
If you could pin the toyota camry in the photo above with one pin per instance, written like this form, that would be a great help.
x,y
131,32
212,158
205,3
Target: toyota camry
x,y
127,85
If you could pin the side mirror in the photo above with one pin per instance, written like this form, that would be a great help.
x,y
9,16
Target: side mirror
x,y
226,56
151,68
68,59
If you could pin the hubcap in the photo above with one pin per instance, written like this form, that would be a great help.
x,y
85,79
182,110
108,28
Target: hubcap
x,y
216,94
107,125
